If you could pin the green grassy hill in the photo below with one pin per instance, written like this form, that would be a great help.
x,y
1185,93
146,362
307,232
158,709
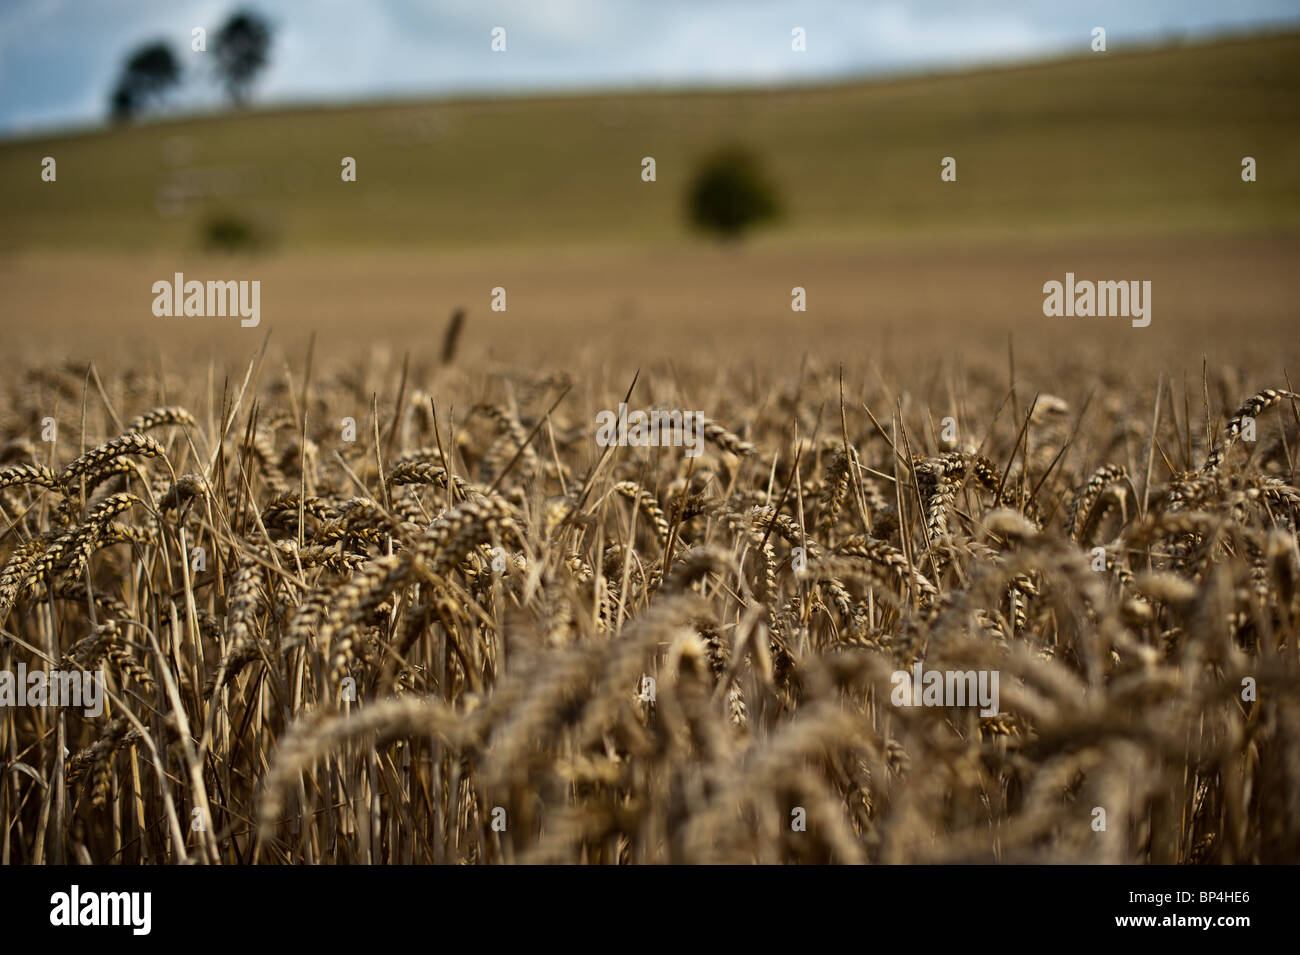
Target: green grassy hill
x,y
1136,143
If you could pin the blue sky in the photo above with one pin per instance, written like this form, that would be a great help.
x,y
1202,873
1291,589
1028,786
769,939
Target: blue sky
x,y
59,58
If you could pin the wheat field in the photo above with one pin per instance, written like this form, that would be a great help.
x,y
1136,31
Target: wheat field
x,y
410,611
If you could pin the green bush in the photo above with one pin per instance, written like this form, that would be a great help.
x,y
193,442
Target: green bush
x,y
231,233
730,193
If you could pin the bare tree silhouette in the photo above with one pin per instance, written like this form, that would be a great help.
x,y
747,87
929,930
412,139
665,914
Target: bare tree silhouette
x,y
241,51
148,74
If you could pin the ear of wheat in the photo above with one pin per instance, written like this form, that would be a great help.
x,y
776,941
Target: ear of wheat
x,y
482,638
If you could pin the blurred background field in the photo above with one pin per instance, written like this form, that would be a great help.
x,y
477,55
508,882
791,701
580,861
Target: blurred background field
x,y
1121,166
1146,143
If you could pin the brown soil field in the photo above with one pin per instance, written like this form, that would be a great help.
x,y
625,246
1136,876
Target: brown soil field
x,y
629,306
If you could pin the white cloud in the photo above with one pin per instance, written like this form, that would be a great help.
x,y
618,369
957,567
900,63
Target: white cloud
x,y
58,58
